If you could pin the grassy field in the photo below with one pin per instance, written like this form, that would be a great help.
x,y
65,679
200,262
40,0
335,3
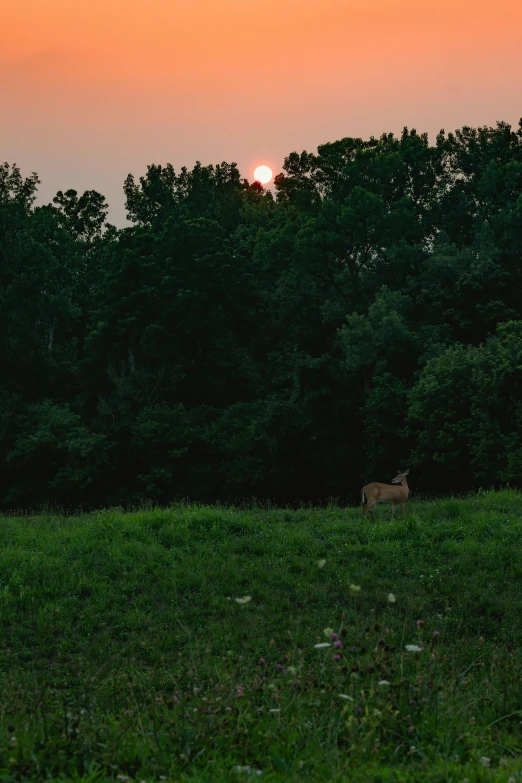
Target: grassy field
x,y
124,654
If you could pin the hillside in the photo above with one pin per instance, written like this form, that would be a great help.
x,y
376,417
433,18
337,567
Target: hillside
x,y
126,656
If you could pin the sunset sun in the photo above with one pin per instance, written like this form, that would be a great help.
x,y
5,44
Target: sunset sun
x,y
263,174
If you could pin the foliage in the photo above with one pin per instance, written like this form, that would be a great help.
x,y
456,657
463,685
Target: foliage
x,y
466,409
230,344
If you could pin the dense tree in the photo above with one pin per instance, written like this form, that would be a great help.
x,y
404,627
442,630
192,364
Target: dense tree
x,y
229,344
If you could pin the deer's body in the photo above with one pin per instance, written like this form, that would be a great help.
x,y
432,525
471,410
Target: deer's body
x,y
395,493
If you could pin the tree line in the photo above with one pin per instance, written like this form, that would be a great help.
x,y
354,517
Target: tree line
x,y
231,343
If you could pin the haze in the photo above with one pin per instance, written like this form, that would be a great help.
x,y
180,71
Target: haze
x,y
93,90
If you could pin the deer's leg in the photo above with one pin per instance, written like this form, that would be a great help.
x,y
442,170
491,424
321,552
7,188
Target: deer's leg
x,y
394,505
403,510
372,509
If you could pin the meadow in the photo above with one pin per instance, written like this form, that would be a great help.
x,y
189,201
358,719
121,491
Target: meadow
x,y
197,643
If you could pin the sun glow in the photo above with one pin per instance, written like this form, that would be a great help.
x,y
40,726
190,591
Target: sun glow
x,y
263,174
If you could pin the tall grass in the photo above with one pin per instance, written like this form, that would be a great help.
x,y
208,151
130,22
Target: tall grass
x,y
124,654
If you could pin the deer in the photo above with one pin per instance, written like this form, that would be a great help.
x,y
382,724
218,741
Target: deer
x,y
379,493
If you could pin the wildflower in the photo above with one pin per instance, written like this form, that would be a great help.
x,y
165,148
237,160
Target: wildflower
x,y
334,637
391,598
240,692
321,563
262,661
414,648
274,710
291,670
328,632
321,645
436,634
338,644
485,761
244,600
355,589
279,666
344,696
383,682
420,624
411,729
337,657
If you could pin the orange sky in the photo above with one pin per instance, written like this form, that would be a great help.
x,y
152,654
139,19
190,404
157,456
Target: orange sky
x,y
93,89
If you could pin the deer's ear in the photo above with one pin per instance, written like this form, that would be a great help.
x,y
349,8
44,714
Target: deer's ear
x,y
406,472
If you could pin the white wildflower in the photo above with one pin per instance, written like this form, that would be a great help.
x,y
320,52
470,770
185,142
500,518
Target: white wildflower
x,y
321,563
328,632
244,600
355,589
391,598
414,648
321,645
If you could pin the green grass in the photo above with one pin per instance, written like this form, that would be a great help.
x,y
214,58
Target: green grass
x,y
124,655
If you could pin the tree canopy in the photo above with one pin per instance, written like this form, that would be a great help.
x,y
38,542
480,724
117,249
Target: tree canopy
x,y
230,343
